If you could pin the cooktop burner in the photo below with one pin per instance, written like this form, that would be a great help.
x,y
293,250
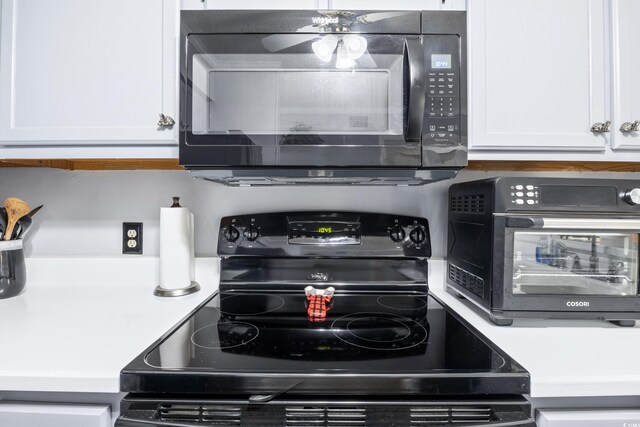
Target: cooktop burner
x,y
379,331
251,304
403,302
224,336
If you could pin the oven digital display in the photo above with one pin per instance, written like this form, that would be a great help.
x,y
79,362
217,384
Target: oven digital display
x,y
324,233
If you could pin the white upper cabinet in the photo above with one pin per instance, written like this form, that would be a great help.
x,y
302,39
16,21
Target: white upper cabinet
x,y
336,4
261,4
625,18
83,72
537,74
397,5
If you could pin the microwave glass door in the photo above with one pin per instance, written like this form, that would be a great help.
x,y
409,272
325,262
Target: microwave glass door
x,y
288,92
575,263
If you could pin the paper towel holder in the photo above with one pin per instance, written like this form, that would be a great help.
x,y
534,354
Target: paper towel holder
x,y
162,292
193,286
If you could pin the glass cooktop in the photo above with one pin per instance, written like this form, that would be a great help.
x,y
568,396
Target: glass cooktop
x,y
267,342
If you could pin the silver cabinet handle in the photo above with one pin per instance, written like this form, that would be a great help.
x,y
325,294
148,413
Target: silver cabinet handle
x,y
630,127
166,121
601,127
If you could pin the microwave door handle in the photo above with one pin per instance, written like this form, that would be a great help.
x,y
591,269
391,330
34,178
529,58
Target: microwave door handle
x,y
417,90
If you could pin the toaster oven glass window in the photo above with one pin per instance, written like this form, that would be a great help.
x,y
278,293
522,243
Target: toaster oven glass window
x,y
575,264
298,86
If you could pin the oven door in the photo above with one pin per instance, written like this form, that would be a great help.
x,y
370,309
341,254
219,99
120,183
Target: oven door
x,y
302,100
569,264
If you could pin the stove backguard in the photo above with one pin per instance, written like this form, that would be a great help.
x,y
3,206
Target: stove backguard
x,y
289,251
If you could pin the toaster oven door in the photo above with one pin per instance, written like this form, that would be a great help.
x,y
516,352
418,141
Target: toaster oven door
x,y
567,264
303,100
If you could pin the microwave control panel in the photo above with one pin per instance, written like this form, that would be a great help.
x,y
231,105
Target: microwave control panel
x,y
442,102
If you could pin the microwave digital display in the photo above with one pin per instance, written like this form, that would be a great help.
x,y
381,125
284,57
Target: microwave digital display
x,y
440,61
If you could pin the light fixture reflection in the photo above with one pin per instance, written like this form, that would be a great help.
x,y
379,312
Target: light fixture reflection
x,y
356,45
343,60
349,48
324,47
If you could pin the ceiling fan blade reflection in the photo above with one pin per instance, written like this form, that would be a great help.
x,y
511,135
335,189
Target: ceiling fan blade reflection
x,y
377,16
367,61
278,42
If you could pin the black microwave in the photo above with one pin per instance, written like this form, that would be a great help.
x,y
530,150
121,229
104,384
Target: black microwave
x,y
546,248
353,97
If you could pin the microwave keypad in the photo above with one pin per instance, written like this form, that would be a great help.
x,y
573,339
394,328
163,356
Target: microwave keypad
x,y
442,102
442,95
443,107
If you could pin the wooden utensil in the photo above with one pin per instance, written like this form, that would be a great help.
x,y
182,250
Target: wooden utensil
x,y
16,209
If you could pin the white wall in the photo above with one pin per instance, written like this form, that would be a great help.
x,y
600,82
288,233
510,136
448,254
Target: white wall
x,y
84,211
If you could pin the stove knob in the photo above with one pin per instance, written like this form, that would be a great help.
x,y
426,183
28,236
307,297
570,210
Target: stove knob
x,y
418,235
632,196
397,234
251,233
231,233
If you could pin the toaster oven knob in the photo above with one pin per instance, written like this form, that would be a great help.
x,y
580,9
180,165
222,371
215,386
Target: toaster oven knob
x,y
231,233
632,196
251,233
418,235
397,234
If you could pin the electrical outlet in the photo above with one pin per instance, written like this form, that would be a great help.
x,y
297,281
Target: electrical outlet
x,y
132,238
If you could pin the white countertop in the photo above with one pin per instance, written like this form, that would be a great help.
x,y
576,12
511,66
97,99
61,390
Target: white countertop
x,y
81,320
566,358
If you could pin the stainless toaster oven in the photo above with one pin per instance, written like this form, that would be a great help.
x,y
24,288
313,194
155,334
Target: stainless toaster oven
x,y
546,247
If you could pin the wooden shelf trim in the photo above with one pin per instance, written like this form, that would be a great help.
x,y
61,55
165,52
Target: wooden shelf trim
x,y
172,164
95,164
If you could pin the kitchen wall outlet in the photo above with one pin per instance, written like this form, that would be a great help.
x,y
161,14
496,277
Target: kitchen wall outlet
x,y
132,238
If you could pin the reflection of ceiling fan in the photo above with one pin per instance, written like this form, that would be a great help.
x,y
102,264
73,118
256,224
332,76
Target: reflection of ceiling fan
x,y
349,46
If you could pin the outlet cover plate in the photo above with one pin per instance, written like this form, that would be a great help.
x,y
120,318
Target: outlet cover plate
x,y
132,238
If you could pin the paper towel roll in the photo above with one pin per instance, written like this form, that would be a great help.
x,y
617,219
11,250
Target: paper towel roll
x,y
176,248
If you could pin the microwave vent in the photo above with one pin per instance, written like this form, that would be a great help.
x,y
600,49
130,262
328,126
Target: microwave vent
x,y
306,177
468,203
467,280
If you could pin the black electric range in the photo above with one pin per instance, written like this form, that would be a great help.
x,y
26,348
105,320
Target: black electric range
x,y
323,319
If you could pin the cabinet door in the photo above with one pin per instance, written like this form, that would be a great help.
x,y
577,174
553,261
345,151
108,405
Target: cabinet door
x,y
87,71
537,74
397,5
626,72
54,415
260,4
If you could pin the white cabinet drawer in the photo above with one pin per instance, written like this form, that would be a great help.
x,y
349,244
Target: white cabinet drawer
x,y
588,418
53,415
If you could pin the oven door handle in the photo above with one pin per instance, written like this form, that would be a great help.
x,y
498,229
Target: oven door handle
x,y
540,222
417,88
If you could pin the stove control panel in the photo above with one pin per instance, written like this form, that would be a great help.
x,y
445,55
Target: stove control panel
x,y
333,234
